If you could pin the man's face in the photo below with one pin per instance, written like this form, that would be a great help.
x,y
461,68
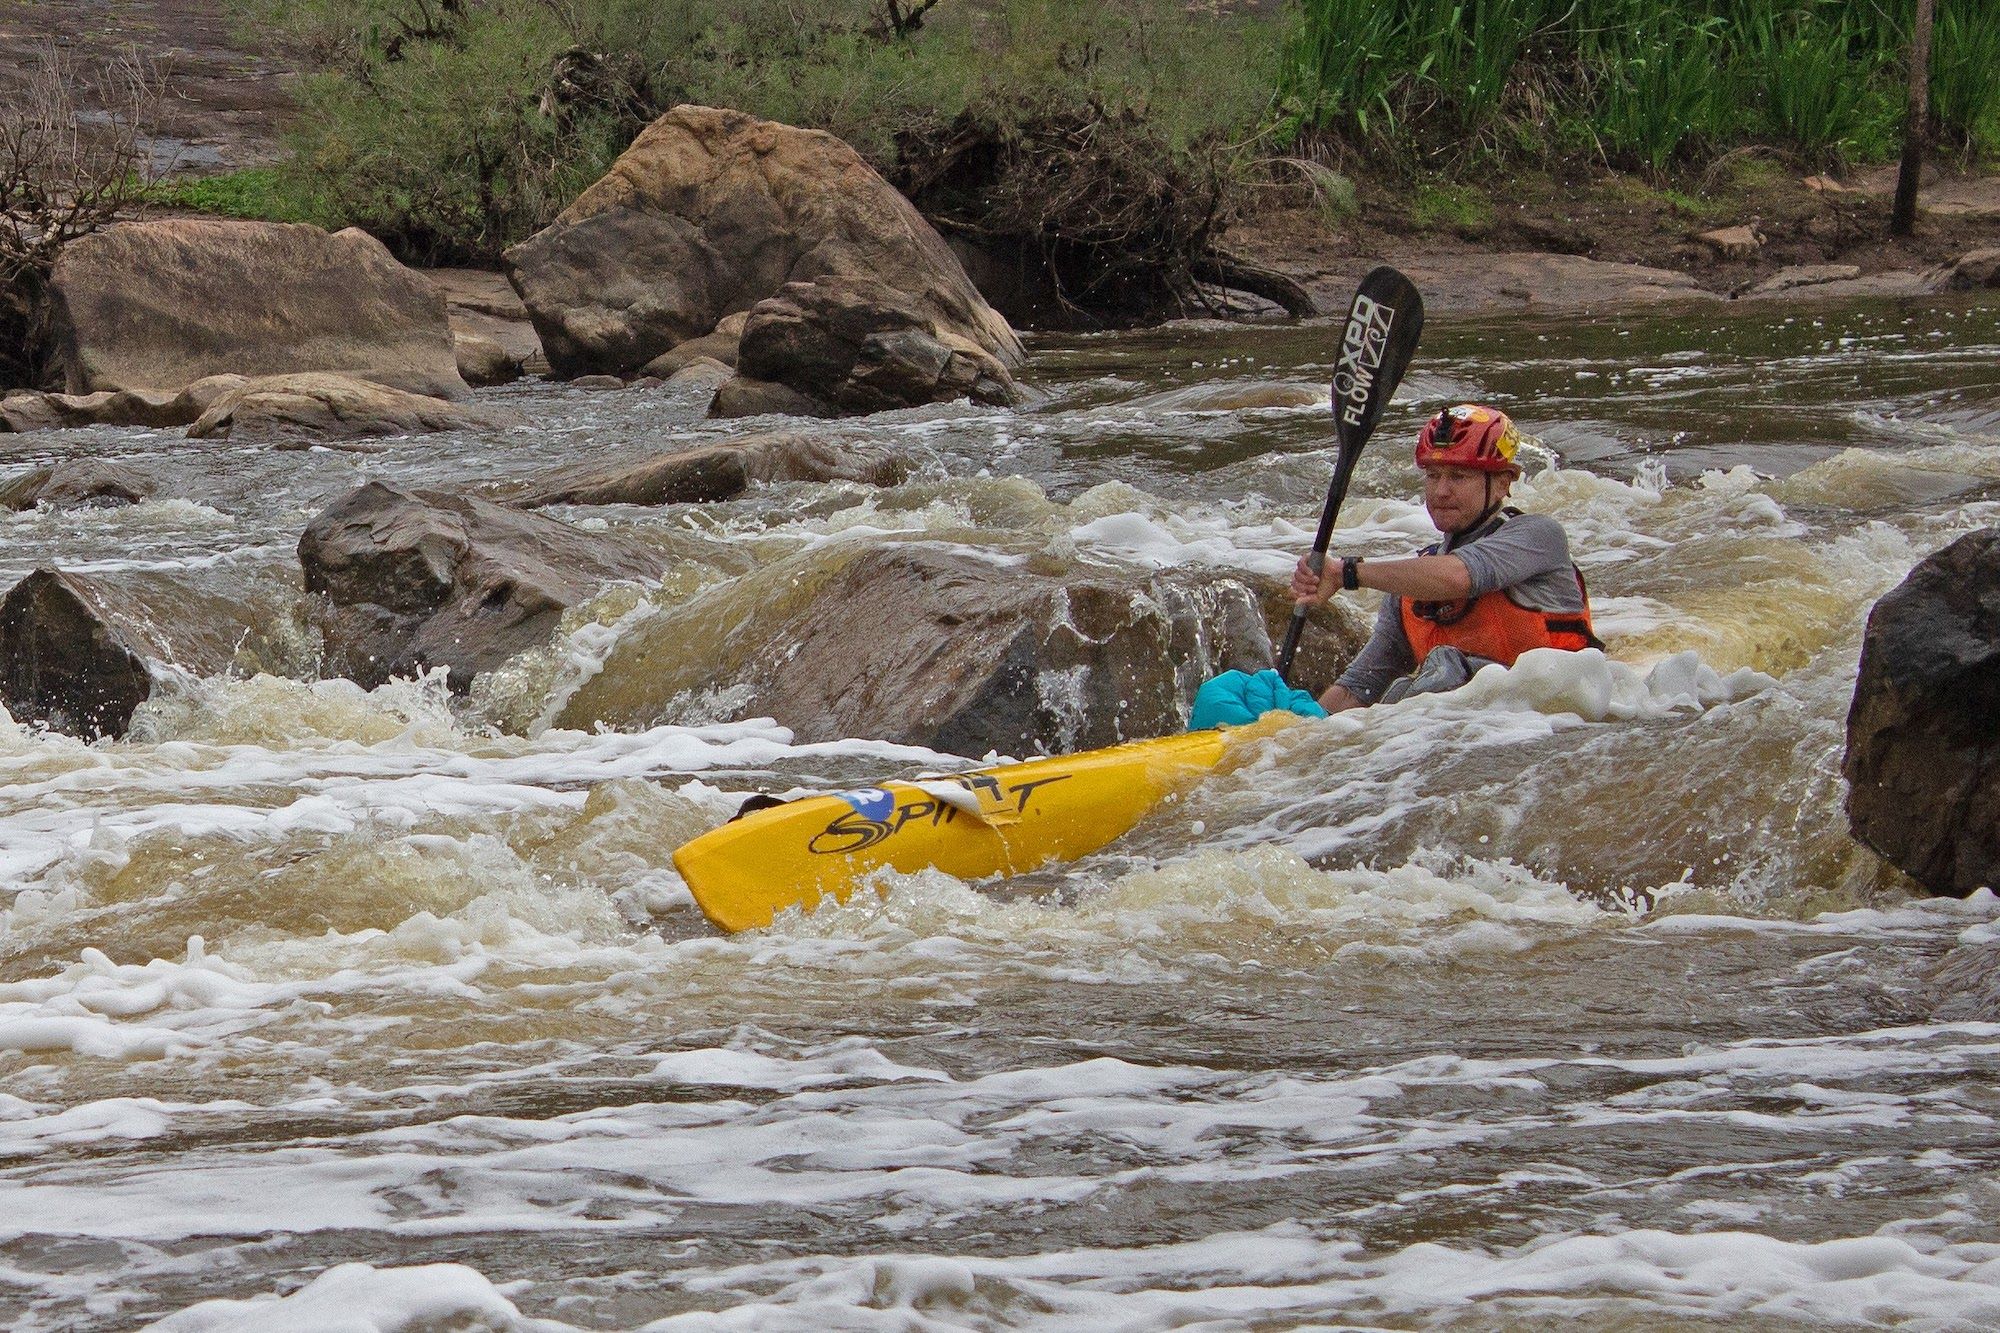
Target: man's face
x,y
1455,497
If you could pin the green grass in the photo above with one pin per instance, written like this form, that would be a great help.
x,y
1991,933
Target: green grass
x,y
1638,83
254,193
1439,206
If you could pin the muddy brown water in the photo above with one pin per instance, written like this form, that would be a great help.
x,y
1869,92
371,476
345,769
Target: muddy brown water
x,y
1562,997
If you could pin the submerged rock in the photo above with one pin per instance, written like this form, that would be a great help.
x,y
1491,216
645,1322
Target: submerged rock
x,y
926,646
310,407
711,212
157,305
1922,767
81,653
717,472
399,582
75,483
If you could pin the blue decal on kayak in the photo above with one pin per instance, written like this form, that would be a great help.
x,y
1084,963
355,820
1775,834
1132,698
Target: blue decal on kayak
x,y
870,802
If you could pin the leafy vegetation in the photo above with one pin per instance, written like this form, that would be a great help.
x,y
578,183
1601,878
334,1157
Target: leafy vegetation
x,y
1105,144
1646,85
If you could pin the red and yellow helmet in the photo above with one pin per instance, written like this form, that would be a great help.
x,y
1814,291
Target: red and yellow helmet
x,y
1470,436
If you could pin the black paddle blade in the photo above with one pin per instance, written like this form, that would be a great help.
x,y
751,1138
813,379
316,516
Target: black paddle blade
x,y
1383,325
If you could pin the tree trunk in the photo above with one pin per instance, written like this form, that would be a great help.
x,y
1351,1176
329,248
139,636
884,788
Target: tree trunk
x,y
1903,219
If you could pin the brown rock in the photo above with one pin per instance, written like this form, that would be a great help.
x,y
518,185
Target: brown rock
x,y
702,373
710,212
1733,242
746,397
158,305
1797,276
717,346
597,382
314,407
124,407
1511,279
1974,270
482,361
399,582
924,646
81,653
75,483
718,472
1922,769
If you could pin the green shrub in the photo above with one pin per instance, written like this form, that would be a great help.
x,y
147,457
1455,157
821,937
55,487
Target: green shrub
x,y
456,130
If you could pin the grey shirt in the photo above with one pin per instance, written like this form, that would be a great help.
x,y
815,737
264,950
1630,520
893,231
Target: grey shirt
x,y
1528,555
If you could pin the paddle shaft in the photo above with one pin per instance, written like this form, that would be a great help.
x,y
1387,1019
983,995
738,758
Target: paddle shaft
x,y
1336,491
1375,349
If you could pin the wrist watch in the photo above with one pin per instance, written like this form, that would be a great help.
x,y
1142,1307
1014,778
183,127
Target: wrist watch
x,y
1350,572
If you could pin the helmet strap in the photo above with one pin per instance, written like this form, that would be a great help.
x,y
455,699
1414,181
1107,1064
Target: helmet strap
x,y
1485,515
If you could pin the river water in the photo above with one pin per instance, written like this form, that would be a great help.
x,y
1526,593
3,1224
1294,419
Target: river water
x,y
1563,996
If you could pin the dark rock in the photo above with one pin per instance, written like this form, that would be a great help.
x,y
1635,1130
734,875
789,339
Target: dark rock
x,y
315,407
710,212
81,653
926,646
1973,271
75,483
158,305
860,346
717,472
399,582
1922,766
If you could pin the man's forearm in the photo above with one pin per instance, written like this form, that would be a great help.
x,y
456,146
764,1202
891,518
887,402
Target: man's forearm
x,y
1421,578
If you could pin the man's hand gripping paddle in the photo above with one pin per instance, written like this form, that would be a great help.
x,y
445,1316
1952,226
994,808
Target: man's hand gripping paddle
x,y
1381,337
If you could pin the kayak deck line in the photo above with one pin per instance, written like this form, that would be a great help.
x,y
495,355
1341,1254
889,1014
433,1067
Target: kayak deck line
x,y
1002,820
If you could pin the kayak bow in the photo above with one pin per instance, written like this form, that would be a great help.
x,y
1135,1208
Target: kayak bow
x,y
992,821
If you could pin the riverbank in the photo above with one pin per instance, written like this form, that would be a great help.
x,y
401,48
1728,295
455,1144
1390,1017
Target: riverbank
x,y
1511,240
1532,242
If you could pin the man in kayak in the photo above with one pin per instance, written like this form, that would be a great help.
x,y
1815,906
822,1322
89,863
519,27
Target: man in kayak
x,y
1500,583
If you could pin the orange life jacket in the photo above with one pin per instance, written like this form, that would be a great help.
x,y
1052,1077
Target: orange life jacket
x,y
1493,625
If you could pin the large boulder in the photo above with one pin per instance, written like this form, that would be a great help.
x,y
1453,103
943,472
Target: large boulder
x,y
155,306
80,653
710,212
400,582
716,472
1922,767
315,407
925,645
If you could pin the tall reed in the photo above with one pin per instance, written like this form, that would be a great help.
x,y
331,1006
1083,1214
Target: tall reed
x,y
1649,82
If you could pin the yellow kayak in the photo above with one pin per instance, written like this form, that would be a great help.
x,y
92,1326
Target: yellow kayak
x,y
992,821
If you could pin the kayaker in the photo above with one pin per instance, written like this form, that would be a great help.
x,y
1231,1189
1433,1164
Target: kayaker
x,y
1500,583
